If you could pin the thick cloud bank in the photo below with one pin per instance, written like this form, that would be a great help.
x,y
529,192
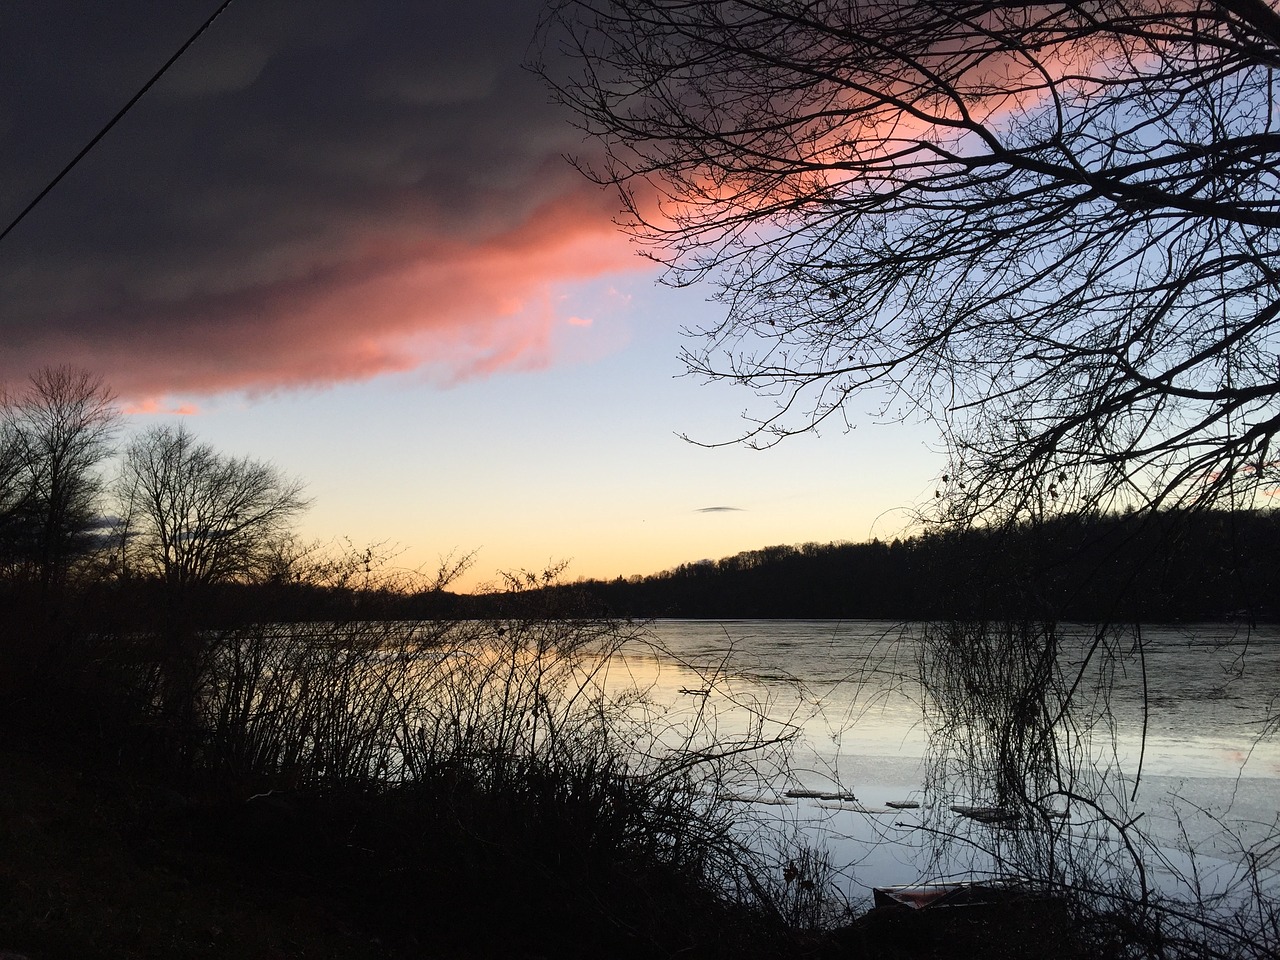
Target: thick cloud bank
x,y
319,191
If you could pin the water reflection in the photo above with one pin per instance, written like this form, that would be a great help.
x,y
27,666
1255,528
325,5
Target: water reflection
x,y
1133,761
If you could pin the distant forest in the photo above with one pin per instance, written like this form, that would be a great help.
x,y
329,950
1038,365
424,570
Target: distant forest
x,y
1151,568
1208,566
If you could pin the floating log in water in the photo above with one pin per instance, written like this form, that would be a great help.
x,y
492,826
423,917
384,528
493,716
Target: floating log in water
x,y
902,804
770,801
848,807
821,795
986,814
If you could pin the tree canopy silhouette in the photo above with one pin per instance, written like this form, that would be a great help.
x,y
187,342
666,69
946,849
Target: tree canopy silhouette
x,y
55,432
1050,227
194,516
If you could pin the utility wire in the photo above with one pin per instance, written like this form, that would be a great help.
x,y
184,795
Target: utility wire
x,y
114,120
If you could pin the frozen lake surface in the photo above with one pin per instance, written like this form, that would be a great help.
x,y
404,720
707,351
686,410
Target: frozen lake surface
x,y
1169,739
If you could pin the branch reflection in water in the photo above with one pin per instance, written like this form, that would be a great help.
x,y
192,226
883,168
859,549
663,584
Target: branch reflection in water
x,y
1134,768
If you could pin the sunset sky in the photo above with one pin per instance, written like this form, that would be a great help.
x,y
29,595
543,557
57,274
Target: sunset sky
x,y
343,237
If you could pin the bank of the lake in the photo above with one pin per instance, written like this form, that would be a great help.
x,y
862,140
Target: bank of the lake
x,y
96,864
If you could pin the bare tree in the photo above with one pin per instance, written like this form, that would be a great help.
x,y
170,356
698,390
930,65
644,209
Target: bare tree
x,y
193,516
11,492
1050,227
54,435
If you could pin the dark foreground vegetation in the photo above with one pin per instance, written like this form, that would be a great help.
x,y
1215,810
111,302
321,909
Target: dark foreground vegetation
x,y
362,790
352,790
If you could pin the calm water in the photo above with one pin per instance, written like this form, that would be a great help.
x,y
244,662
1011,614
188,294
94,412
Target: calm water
x,y
1196,768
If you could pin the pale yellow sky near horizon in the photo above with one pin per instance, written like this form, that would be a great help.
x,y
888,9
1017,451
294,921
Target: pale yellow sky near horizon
x,y
578,461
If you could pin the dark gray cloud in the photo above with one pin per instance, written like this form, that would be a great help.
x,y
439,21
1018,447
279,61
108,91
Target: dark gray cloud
x,y
318,190
718,510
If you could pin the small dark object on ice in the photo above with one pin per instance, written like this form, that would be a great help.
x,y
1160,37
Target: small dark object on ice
x,y
821,795
986,814
962,920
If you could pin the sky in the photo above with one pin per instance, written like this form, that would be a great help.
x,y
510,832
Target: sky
x,y
344,238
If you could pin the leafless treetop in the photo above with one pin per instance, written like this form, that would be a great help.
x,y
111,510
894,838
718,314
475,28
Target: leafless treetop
x,y
1050,227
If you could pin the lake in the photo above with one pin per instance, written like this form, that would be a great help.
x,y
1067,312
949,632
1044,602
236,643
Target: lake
x,y
1162,772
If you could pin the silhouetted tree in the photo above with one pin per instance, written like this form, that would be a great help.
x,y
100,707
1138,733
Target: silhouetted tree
x,y
10,489
193,516
1051,227
54,435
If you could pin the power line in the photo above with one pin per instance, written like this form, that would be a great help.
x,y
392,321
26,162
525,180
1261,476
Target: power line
x,y
114,120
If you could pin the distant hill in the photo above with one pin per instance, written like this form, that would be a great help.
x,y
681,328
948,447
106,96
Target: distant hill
x,y
1154,568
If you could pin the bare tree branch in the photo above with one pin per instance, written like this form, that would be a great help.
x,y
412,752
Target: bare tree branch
x,y
1051,228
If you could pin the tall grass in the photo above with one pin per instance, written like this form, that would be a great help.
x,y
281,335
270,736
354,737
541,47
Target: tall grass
x,y
509,771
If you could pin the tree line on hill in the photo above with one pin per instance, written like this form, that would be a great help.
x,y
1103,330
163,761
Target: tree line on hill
x,y
1161,567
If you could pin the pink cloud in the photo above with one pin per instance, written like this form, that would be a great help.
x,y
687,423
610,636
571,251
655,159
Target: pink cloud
x,y
159,405
408,299
310,197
